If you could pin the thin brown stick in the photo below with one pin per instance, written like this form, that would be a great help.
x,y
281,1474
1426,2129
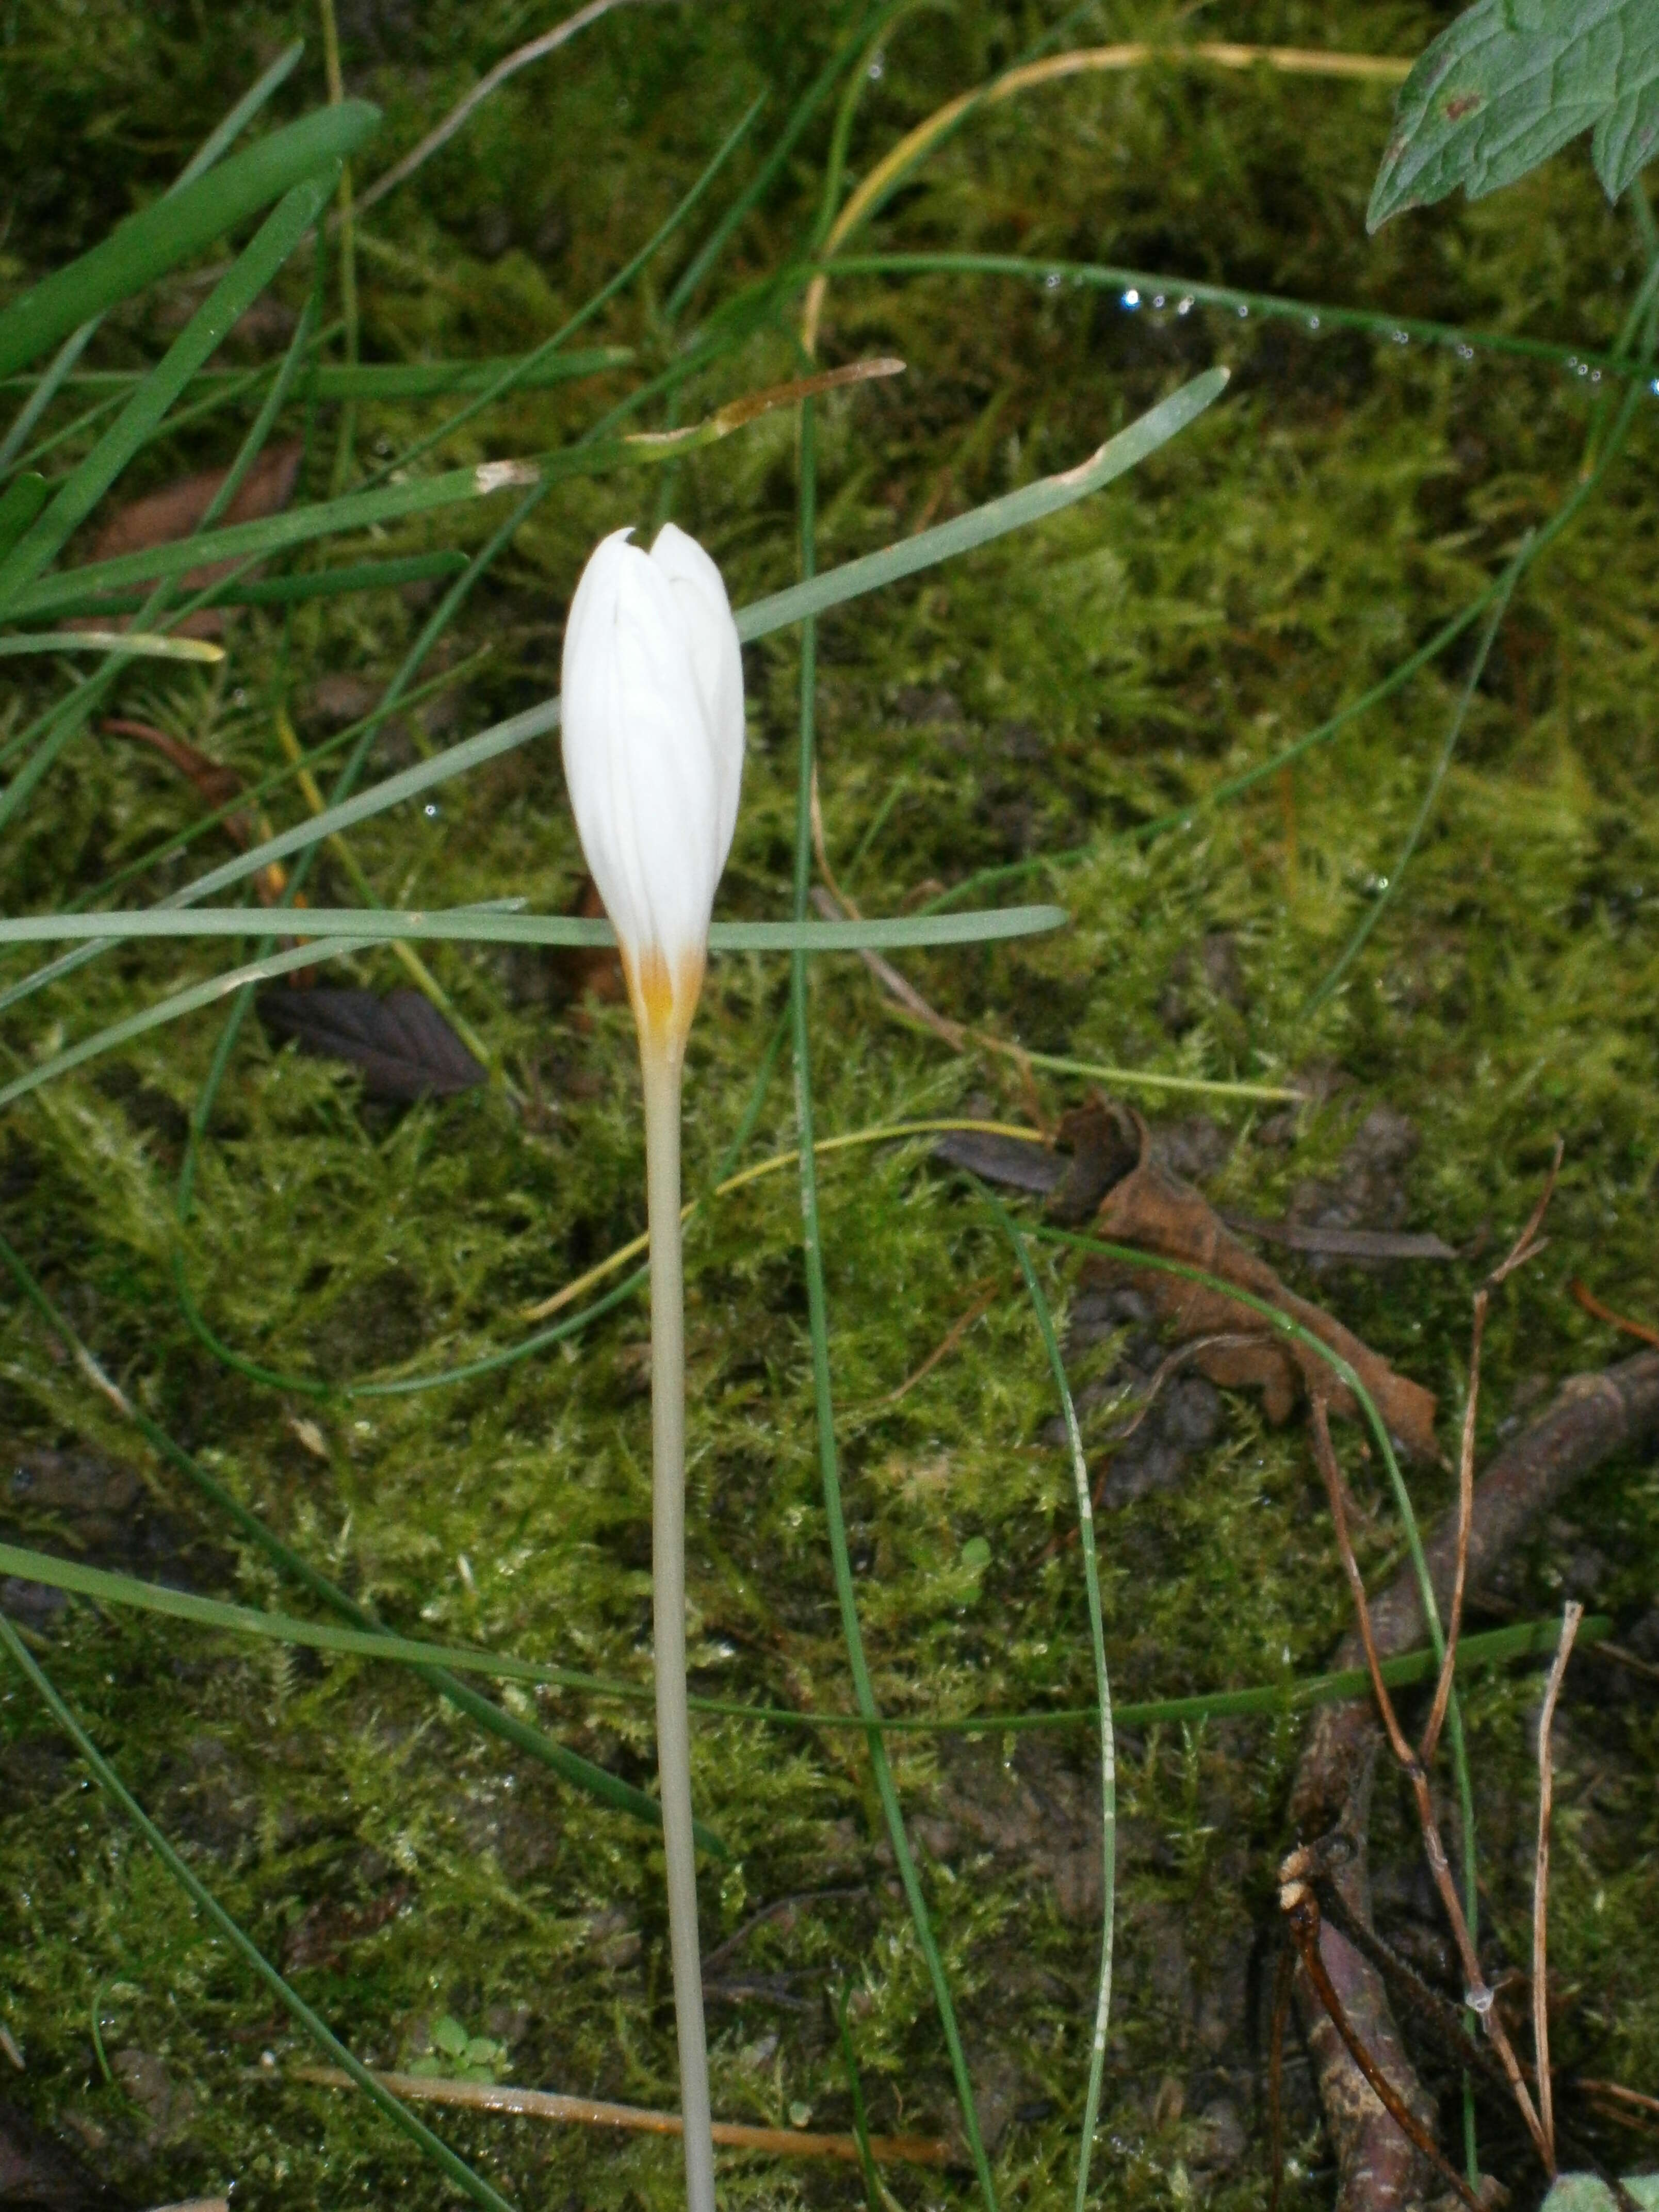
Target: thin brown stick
x,y
1617,2091
1477,1993
1526,1246
588,2112
509,65
1541,1885
1592,1304
1303,1912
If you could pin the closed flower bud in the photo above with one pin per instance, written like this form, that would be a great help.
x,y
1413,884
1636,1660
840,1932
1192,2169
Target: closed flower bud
x,y
652,720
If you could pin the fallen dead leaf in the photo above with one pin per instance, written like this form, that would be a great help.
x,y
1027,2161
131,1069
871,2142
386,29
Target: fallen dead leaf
x,y
402,1044
1154,1207
162,517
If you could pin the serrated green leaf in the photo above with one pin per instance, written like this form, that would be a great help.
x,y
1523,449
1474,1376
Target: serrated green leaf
x,y
1510,83
1624,138
1588,2192
147,245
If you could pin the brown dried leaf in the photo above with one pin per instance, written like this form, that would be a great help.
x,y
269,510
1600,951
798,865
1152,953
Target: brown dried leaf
x,y
164,516
402,1044
1152,1207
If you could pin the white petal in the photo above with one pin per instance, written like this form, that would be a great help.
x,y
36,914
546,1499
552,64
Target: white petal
x,y
653,740
718,658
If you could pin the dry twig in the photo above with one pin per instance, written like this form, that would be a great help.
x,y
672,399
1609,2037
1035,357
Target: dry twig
x,y
1541,1887
1592,1417
589,2111
1477,1992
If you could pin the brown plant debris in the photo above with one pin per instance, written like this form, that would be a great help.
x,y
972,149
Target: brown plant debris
x,y
1154,1207
404,1045
162,517
1593,1416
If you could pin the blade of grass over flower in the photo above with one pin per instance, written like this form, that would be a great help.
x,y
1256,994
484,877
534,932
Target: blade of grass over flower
x,y
760,619
572,1768
133,644
1144,291
490,925
147,245
1086,1513
471,2185
219,139
818,1328
1492,1647
235,292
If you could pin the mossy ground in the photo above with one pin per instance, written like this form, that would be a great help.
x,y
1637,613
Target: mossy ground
x,y
1052,693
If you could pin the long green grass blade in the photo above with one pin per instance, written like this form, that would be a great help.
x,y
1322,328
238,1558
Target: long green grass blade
x,y
218,140
147,245
292,591
131,644
235,292
1085,1517
1492,1647
21,501
834,587
487,926
173,1008
375,380
1140,288
473,2184
817,1306
1014,511
280,533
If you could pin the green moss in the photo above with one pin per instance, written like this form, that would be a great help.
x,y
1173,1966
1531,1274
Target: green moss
x,y
1053,693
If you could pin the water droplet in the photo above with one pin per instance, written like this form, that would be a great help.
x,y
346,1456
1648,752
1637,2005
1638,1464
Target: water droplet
x,y
1131,298
1313,322
1595,376
1184,306
1157,299
1402,338
430,810
1584,368
1654,386
1243,313
1052,280
879,65
1466,353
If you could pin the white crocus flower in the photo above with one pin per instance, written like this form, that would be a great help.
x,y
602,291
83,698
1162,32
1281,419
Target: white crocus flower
x,y
652,718
654,756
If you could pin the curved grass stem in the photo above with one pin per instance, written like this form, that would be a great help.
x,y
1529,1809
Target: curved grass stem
x,y
661,1065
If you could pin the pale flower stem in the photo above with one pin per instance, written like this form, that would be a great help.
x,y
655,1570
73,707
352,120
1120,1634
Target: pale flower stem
x,y
660,1063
